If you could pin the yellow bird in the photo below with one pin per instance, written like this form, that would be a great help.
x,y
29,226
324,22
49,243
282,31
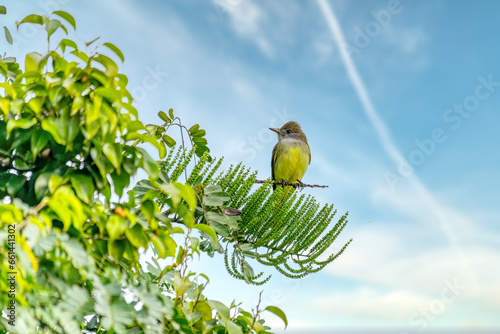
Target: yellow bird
x,y
291,155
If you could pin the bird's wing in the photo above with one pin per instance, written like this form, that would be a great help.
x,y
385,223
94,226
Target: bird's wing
x,y
273,160
309,149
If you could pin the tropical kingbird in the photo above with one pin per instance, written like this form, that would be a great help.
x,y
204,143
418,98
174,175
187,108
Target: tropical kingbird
x,y
291,155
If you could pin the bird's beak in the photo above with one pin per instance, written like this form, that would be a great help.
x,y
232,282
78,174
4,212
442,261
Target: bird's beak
x,y
275,130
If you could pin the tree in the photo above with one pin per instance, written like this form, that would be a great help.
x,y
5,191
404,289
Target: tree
x,y
70,141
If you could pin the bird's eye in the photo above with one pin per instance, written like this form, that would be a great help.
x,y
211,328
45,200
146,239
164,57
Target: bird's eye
x,y
288,131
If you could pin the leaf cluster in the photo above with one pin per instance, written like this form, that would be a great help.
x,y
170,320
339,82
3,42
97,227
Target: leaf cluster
x,y
70,142
280,228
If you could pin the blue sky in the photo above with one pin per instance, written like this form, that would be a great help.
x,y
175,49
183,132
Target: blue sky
x,y
426,249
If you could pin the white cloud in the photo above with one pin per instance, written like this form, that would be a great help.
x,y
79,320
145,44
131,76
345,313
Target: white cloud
x,y
401,262
247,19
365,301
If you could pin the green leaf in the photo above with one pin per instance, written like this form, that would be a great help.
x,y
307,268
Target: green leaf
x,y
14,184
134,126
164,244
116,50
36,104
64,43
39,140
115,226
73,130
55,181
168,140
148,208
200,141
22,123
199,133
162,150
169,243
222,219
33,18
219,228
194,128
56,94
212,189
213,196
51,127
207,230
109,93
136,236
212,201
10,214
66,16
148,163
277,311
233,328
164,117
113,152
84,187
3,10
32,62
120,181
52,26
108,63
248,272
42,185
8,36
63,27
222,309
246,247
82,55
116,249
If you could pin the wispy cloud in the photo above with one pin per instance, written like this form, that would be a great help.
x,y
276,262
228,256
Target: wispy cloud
x,y
438,213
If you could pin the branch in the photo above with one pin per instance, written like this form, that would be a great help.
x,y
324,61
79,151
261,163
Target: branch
x,y
35,211
257,311
295,185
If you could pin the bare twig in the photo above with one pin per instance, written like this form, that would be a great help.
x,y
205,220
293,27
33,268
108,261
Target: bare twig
x,y
182,127
36,209
257,311
295,185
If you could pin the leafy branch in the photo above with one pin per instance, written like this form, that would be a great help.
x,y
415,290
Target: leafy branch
x,y
276,228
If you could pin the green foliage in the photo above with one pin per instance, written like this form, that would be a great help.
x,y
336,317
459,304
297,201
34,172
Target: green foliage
x,y
281,228
70,142
7,33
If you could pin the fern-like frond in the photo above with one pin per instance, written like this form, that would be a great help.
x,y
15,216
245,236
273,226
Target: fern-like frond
x,y
284,229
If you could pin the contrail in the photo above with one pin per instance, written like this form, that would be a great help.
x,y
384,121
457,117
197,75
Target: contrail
x,y
381,129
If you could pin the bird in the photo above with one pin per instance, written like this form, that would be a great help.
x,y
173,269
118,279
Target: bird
x,y
291,155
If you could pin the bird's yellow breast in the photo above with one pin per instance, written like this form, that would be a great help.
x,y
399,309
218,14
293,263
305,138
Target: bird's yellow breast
x,y
291,160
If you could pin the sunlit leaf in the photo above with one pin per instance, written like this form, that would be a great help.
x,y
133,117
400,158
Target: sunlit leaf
x,y
277,311
115,49
52,26
64,43
113,152
66,16
164,117
33,18
168,140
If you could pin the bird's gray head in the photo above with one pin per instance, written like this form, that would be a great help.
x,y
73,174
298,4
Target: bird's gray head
x,y
290,130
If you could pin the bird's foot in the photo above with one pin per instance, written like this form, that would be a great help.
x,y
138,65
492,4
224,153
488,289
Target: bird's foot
x,y
300,185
